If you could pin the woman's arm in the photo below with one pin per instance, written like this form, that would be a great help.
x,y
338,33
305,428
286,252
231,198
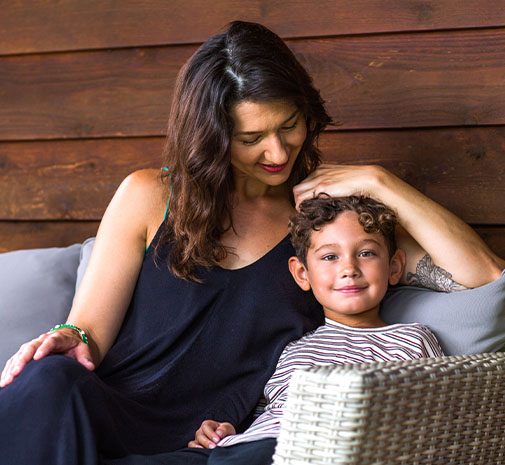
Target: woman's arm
x,y
128,225
456,254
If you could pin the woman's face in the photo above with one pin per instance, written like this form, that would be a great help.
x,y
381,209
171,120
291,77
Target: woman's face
x,y
267,138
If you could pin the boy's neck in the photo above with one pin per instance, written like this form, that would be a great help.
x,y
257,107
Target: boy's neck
x,y
367,319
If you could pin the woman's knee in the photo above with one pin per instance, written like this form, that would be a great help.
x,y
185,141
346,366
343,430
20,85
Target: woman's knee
x,y
52,376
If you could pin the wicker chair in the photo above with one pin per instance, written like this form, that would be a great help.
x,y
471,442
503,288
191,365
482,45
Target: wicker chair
x,y
446,410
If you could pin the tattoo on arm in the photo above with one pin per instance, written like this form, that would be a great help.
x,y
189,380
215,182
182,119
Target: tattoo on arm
x,y
431,276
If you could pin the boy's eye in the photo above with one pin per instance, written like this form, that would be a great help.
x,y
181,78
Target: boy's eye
x,y
367,253
330,257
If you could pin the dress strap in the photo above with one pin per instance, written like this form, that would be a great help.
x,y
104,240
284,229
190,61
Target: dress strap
x,y
164,168
168,203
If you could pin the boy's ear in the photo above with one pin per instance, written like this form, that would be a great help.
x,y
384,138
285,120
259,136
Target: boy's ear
x,y
396,266
299,273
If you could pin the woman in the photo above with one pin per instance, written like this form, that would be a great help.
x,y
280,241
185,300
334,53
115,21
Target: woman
x,y
192,328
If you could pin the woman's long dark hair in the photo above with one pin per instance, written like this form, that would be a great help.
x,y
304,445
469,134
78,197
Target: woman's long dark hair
x,y
247,62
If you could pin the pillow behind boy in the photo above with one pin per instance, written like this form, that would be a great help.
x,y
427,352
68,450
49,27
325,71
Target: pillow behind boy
x,y
86,248
37,287
465,322
36,291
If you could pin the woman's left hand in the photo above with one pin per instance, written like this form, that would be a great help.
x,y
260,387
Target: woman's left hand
x,y
340,181
451,244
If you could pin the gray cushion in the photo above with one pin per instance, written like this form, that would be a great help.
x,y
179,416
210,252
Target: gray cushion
x,y
36,291
86,248
465,322
37,287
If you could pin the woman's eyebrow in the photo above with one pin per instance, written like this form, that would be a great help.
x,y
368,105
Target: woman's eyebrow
x,y
249,133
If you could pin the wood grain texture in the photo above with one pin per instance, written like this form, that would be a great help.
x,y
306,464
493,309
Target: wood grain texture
x,y
64,180
85,90
461,168
494,238
15,235
390,81
88,94
32,26
410,80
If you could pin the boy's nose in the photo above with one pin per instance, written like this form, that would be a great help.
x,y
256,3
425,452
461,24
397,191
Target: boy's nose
x,y
349,270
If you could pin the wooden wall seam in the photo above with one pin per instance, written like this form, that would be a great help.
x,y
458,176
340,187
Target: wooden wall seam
x,y
85,93
416,80
42,25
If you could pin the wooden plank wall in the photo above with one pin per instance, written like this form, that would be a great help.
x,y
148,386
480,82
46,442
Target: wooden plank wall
x,y
85,87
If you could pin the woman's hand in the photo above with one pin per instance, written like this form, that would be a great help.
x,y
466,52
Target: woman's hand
x,y
450,245
64,341
210,433
340,181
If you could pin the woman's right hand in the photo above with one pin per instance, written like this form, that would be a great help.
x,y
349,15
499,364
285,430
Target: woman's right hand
x,y
63,341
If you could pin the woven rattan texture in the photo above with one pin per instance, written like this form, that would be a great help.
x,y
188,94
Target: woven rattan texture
x,y
446,410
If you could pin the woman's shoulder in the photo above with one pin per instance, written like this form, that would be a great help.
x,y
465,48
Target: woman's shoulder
x,y
145,189
145,195
146,182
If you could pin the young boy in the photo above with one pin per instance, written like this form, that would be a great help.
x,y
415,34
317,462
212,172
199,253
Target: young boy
x,y
347,256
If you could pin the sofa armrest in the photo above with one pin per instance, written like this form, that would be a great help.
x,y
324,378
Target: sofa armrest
x,y
433,410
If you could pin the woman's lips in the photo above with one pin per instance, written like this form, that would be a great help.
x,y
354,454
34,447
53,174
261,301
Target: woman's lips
x,y
273,168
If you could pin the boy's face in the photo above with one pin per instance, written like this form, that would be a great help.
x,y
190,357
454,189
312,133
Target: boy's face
x,y
348,271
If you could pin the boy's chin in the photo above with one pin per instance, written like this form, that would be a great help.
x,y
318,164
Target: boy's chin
x,y
355,317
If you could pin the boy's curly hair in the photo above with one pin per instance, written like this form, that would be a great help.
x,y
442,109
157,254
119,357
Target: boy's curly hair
x,y
314,213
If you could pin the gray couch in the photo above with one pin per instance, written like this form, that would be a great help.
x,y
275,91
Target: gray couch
x,y
37,287
449,409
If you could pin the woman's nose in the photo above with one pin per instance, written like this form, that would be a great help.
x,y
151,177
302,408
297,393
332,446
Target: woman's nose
x,y
276,152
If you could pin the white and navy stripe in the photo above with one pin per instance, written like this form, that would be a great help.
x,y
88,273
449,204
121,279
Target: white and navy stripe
x,y
335,344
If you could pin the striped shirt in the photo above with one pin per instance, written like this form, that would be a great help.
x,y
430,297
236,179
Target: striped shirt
x,y
335,344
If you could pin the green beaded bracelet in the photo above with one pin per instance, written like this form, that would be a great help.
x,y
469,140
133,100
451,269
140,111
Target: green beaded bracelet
x,y
79,330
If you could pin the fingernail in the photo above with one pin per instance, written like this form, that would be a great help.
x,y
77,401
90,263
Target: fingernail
x,y
215,439
212,445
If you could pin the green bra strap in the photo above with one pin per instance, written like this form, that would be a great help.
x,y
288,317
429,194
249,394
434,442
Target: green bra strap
x,y
168,203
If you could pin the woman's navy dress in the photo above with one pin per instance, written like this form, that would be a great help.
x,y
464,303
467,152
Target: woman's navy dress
x,y
186,352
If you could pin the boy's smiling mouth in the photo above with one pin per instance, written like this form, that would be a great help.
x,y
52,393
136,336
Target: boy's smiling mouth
x,y
351,289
